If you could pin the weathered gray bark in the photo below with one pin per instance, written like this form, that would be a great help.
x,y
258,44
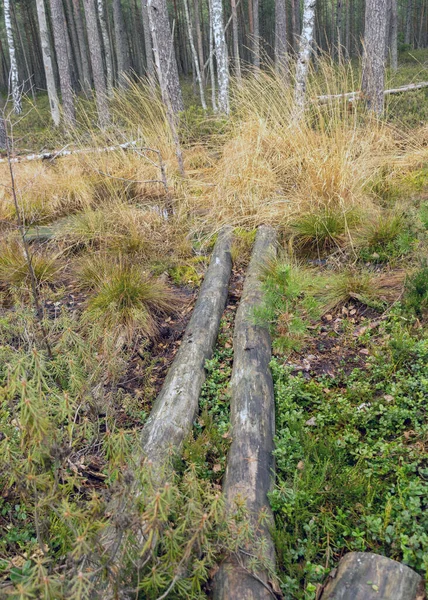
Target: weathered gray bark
x,y
95,50
367,576
256,34
86,69
199,38
3,133
195,56
408,37
221,55
237,60
122,50
13,83
166,64
281,36
107,47
150,65
175,408
373,80
47,62
64,67
250,461
304,56
393,36
295,22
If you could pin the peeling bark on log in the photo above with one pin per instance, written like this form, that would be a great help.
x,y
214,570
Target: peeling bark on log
x,y
250,461
176,407
367,576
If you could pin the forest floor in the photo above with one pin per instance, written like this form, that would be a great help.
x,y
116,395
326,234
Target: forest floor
x,y
118,260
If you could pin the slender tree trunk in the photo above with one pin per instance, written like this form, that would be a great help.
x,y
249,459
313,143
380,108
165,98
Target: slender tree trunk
x,y
166,63
211,59
70,23
408,38
281,36
295,14
339,17
221,56
304,56
256,34
3,133
13,76
150,67
122,50
29,73
393,36
348,29
86,70
47,61
64,69
95,50
236,40
106,45
199,38
373,80
195,56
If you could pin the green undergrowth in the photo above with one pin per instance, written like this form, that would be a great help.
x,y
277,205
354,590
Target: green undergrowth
x,y
351,458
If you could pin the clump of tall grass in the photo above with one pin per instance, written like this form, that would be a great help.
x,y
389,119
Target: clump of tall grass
x,y
14,271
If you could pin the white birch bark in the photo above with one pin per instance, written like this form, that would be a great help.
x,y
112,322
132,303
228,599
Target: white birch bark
x,y
150,66
47,62
13,76
375,37
221,56
304,56
211,60
107,47
194,56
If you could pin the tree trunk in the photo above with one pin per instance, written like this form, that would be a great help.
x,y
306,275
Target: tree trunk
x,y
122,50
194,55
166,63
256,34
295,16
281,37
236,40
221,56
393,36
199,38
47,62
367,576
373,78
408,37
86,70
13,76
150,67
175,408
250,460
211,58
3,133
95,51
304,56
64,70
339,18
71,28
106,45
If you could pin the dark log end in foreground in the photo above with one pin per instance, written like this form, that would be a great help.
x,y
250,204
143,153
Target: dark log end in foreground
x,y
175,408
367,576
250,461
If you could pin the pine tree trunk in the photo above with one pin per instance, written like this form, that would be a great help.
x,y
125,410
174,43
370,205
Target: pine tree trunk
x,y
408,38
339,16
373,80
64,68
106,45
86,70
281,37
295,19
70,24
221,56
122,50
236,40
393,36
47,62
95,51
304,56
150,66
194,55
13,77
166,64
199,38
256,34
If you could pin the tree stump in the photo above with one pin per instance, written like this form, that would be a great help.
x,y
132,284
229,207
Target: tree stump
x,y
367,576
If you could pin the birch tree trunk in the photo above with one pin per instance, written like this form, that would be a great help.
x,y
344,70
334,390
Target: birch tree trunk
x,y
256,34
304,56
13,75
194,56
95,52
199,38
106,45
64,69
86,69
373,79
47,62
393,36
166,64
281,37
150,66
122,50
236,40
221,56
211,59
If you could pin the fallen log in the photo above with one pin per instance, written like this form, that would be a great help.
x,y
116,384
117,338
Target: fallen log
x,y
352,96
250,461
367,576
176,407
